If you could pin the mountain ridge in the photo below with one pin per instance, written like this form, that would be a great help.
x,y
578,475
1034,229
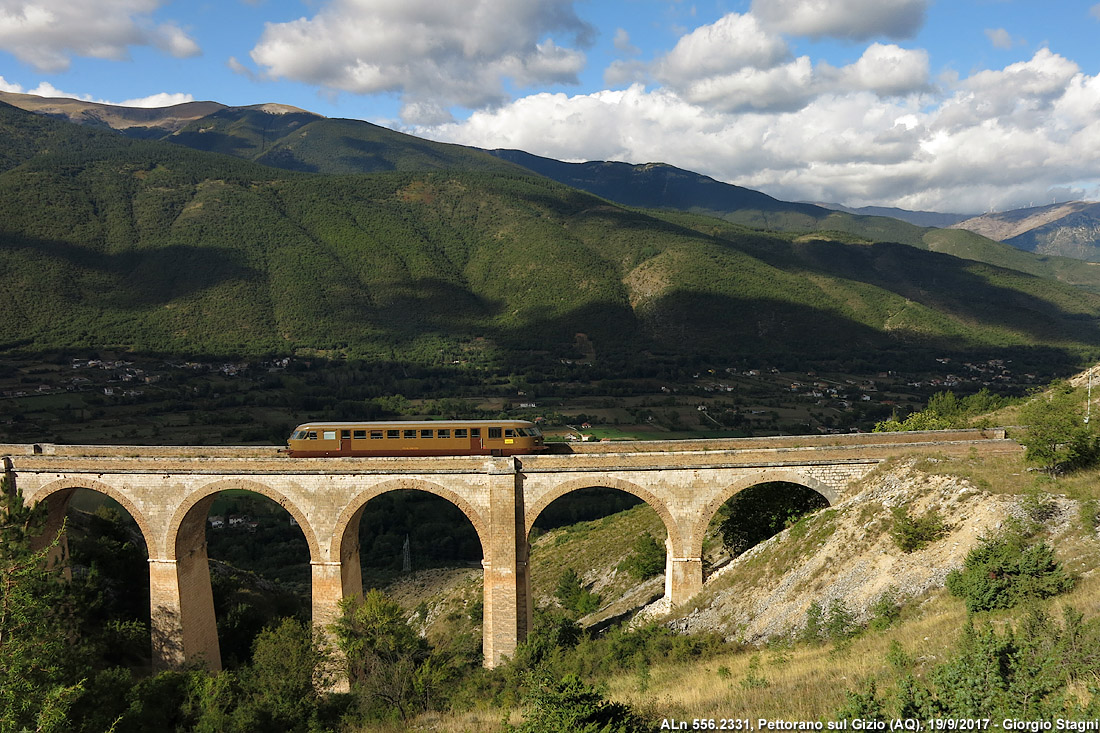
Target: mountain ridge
x,y
145,245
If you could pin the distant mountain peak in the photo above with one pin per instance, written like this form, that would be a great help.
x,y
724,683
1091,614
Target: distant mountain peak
x,y
273,108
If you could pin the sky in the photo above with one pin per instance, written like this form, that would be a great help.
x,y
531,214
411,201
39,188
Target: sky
x,y
959,106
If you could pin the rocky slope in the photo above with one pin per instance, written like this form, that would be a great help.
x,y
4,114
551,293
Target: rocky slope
x,y
1069,229
845,553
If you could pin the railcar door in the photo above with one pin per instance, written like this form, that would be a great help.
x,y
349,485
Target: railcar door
x,y
345,442
476,445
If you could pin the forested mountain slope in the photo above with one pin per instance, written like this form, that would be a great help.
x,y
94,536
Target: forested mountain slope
x,y
106,241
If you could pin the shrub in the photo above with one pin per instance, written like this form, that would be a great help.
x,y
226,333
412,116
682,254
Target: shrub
x,y
914,533
814,629
1004,570
646,560
569,705
1057,437
573,595
886,609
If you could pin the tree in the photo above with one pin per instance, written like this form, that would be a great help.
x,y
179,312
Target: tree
x,y
1003,570
569,705
1057,436
384,655
573,595
646,559
37,686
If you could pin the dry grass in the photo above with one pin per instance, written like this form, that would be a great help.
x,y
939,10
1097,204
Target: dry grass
x,y
1008,474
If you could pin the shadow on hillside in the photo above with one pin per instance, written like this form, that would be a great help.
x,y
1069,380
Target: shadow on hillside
x,y
948,284
127,280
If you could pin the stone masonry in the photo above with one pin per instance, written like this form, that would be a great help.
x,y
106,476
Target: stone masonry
x,y
168,492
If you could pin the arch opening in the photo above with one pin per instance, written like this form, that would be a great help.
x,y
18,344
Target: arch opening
x,y
424,552
107,560
753,515
597,554
259,564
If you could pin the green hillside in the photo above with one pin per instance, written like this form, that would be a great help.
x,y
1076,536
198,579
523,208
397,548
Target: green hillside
x,y
659,186
148,246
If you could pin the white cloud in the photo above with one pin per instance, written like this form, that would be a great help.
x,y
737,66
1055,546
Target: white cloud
x,y
623,44
873,132
432,54
736,65
7,86
1000,38
160,99
1094,11
46,89
47,33
732,43
856,20
888,70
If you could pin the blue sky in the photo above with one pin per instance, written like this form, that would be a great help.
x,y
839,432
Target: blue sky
x,y
964,105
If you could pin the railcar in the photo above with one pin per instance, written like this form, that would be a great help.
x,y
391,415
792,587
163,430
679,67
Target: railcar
x,y
415,438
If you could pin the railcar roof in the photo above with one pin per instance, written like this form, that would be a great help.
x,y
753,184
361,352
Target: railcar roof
x,y
410,423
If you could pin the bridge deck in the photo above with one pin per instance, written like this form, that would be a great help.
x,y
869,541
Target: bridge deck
x,y
634,455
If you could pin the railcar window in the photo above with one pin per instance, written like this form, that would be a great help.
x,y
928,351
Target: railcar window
x,y
509,433
312,435
410,434
426,433
460,432
393,434
329,435
359,435
475,432
443,433
494,433
345,435
376,435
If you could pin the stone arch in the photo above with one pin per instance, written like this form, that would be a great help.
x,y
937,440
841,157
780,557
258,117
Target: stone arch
x,y
789,476
152,541
566,487
196,497
346,526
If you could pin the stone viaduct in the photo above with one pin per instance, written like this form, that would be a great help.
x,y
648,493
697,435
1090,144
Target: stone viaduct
x,y
169,491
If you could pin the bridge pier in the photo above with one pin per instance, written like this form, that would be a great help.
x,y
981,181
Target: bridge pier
x,y
683,576
506,614
181,600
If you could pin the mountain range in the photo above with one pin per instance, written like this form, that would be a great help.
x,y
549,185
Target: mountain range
x,y
1069,229
267,229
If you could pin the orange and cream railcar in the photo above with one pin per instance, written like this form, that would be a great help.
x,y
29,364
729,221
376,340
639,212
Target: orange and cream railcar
x,y
415,438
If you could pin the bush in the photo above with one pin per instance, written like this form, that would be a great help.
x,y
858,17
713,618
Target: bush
x,y
1002,571
1057,437
569,705
646,560
573,595
914,533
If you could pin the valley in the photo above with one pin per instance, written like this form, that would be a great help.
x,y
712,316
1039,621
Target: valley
x,y
214,275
